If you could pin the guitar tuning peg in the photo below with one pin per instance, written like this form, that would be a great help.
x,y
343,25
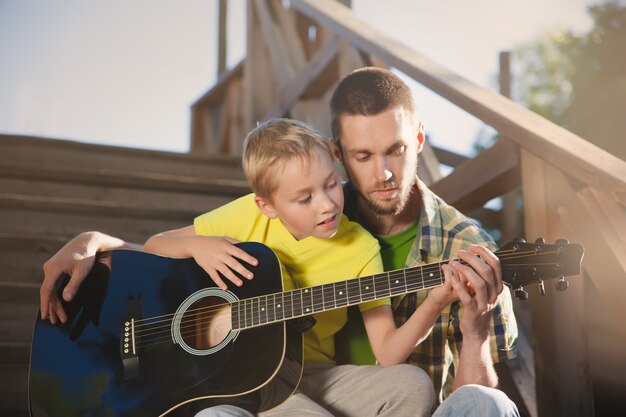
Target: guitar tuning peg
x,y
520,294
542,288
519,239
540,240
561,284
562,242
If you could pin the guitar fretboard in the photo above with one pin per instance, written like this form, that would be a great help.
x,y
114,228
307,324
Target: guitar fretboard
x,y
272,308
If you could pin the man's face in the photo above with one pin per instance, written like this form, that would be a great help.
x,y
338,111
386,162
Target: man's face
x,y
379,154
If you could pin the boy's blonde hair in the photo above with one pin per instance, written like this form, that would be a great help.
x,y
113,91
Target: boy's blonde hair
x,y
273,143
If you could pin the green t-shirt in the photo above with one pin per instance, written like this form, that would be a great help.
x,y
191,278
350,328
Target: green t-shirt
x,y
352,344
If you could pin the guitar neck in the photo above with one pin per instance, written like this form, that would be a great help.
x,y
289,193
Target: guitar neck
x,y
277,307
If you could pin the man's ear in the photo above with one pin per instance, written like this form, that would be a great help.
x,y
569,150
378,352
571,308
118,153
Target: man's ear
x,y
337,151
266,207
421,136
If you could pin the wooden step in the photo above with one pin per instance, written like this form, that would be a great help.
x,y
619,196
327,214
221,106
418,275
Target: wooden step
x,y
46,152
56,216
128,178
94,208
22,256
19,293
17,322
170,200
14,352
14,390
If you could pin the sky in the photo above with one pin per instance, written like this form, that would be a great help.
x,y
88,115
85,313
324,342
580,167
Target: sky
x,y
126,72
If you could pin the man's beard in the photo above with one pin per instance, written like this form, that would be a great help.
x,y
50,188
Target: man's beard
x,y
394,206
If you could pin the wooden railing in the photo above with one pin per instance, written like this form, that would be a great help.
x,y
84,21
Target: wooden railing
x,y
297,52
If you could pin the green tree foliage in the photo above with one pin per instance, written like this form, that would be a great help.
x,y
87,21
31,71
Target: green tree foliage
x,y
579,81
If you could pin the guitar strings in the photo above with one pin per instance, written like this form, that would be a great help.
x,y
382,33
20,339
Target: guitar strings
x,y
425,268
210,309
213,308
204,316
430,268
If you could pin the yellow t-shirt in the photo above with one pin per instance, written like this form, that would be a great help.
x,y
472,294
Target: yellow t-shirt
x,y
351,253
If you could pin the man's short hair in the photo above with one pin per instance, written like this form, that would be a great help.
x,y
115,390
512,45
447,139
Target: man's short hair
x,y
273,143
368,91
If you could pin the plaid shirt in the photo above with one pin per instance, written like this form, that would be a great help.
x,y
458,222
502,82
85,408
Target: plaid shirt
x,y
443,231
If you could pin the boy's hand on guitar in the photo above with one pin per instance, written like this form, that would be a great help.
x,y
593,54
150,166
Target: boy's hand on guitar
x,y
75,259
443,295
220,255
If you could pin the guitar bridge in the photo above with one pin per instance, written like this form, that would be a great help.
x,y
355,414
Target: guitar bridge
x,y
129,339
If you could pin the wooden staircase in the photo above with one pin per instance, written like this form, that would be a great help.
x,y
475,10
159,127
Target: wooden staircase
x,y
53,190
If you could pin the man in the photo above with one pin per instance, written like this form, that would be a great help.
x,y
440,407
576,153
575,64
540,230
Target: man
x,y
378,137
378,145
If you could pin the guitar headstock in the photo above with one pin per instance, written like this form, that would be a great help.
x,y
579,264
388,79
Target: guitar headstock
x,y
526,263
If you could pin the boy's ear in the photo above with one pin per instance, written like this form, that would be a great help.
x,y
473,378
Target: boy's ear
x,y
266,207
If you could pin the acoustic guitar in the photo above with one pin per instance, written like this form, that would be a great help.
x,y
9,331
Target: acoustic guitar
x,y
149,335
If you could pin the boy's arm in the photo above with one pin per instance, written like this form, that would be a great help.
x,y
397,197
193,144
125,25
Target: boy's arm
x,y
215,254
477,285
75,259
393,345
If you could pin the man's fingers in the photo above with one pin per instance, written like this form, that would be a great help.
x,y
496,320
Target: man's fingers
x,y
57,310
461,290
79,273
483,271
480,287
493,261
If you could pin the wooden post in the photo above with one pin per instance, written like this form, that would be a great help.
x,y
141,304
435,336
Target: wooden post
x,y
509,218
559,339
222,26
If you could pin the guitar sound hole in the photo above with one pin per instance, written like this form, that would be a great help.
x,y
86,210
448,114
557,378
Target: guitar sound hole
x,y
206,323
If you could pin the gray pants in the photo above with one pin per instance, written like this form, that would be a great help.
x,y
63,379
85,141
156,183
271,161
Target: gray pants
x,y
350,391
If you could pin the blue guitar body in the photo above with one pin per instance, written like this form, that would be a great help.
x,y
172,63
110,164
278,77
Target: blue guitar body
x,y
81,368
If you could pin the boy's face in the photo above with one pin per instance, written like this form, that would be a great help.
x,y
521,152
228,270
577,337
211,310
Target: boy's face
x,y
308,200
379,153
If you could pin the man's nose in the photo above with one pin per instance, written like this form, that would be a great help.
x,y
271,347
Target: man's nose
x,y
383,173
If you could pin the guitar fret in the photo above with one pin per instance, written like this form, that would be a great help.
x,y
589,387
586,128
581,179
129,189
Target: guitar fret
x,y
353,291
279,306
329,296
287,305
234,318
271,311
317,299
255,311
381,286
397,282
248,313
367,289
263,309
341,296
307,301
295,305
